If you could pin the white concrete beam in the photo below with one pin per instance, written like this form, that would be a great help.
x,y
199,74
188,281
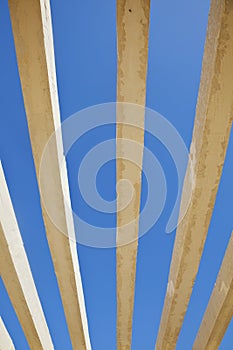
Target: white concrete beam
x,y
6,342
214,113
32,30
132,40
17,277
219,311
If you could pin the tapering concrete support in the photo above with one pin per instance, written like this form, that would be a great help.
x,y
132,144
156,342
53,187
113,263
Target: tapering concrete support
x,y
132,40
219,311
5,340
214,113
32,30
17,277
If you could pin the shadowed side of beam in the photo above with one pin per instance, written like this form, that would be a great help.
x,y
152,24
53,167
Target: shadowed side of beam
x,y
17,277
219,311
210,139
32,30
132,43
5,340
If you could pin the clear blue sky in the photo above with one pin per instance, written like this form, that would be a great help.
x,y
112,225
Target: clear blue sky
x,y
85,48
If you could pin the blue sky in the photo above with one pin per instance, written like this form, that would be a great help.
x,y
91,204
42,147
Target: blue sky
x,y
85,49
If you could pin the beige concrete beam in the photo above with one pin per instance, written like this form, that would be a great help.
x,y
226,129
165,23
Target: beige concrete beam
x,y
32,30
212,127
132,40
219,311
17,277
6,342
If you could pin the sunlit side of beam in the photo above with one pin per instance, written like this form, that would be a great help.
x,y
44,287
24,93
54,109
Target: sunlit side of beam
x,y
17,277
32,30
5,340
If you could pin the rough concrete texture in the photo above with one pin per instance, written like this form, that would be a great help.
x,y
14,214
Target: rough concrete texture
x,y
219,311
132,43
214,113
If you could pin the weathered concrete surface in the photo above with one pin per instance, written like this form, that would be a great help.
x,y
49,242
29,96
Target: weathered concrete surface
x,y
132,40
212,126
5,340
219,311
17,277
32,30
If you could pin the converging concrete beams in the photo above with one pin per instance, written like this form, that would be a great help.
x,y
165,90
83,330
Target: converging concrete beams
x,y
32,30
5,340
219,311
214,113
132,42
17,277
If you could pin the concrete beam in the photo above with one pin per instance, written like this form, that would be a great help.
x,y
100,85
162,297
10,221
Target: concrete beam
x,y
132,40
32,30
219,311
17,277
214,113
5,340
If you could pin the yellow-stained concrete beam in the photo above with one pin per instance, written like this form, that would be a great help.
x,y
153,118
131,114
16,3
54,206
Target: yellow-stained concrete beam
x,y
6,342
32,30
219,311
17,277
214,113
132,42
